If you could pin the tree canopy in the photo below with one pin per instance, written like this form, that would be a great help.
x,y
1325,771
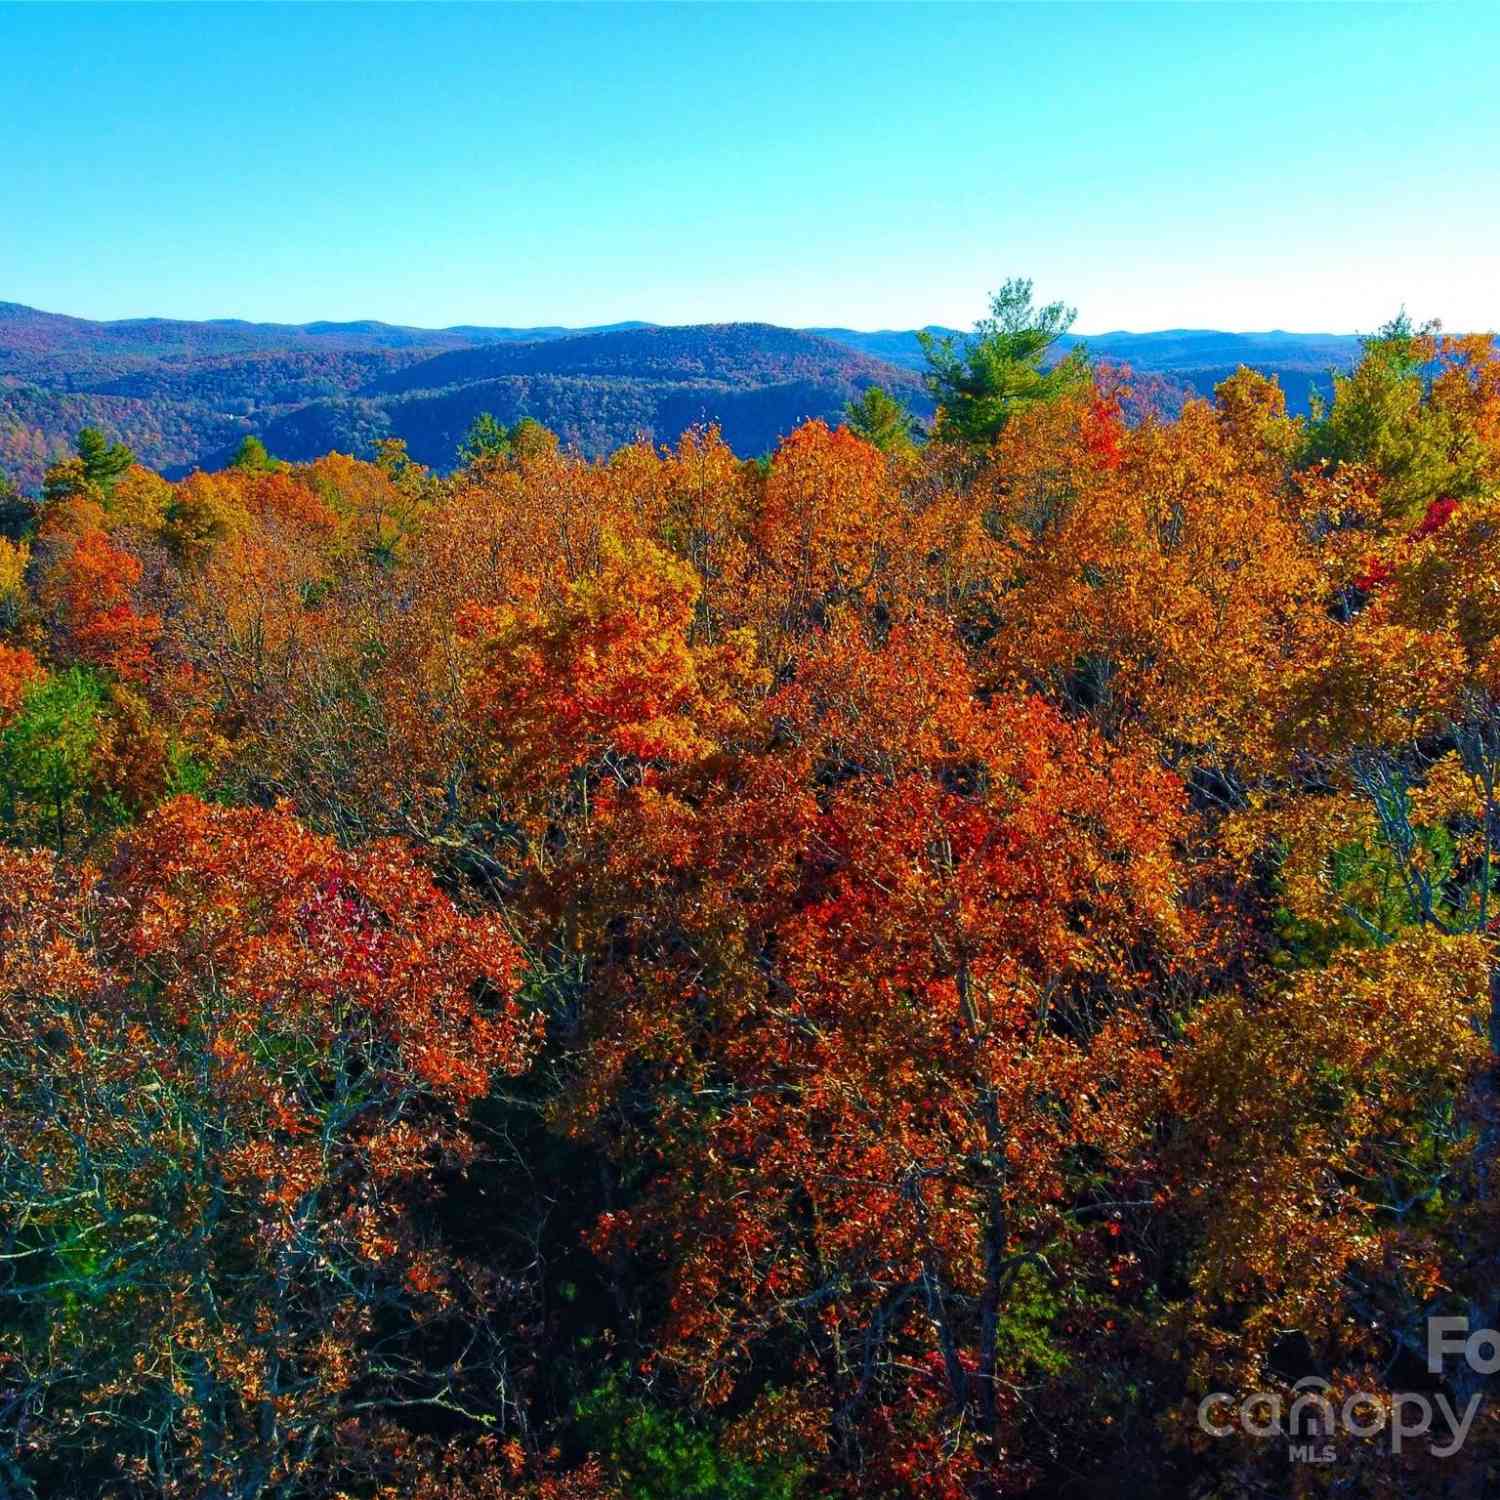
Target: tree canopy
x,y
910,970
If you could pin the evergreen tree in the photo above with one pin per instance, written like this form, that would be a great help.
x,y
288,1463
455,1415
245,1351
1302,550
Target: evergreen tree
x,y
103,461
979,381
1381,418
486,439
880,418
253,454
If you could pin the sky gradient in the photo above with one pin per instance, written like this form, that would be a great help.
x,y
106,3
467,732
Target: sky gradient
x,y
1299,167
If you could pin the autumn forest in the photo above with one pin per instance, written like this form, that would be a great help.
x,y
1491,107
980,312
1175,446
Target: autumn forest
x,y
933,964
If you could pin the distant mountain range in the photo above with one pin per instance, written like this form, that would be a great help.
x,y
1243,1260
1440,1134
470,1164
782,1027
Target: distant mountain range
x,y
184,393
1194,358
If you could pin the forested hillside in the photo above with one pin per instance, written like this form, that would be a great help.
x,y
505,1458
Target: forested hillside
x,y
185,393
599,390
954,962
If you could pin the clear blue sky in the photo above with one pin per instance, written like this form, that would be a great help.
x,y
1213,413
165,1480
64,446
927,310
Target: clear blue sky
x,y
1303,167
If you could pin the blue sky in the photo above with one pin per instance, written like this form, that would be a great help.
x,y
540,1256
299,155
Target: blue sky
x,y
1295,166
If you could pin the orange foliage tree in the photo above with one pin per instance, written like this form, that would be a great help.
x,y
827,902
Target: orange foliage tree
x,y
888,980
239,1061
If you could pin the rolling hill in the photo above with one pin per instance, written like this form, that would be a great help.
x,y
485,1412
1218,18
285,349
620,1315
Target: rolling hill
x,y
183,393
598,390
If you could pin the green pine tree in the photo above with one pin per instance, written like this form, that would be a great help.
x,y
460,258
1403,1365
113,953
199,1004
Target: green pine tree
x,y
880,418
103,461
980,381
253,454
486,440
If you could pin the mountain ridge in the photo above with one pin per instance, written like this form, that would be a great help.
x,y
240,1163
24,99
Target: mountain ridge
x,y
183,392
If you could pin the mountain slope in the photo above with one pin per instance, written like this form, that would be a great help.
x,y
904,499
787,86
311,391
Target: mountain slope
x,y
722,353
184,393
897,346
597,391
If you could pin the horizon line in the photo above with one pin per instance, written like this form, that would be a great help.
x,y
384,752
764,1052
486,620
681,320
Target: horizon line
x,y
624,324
